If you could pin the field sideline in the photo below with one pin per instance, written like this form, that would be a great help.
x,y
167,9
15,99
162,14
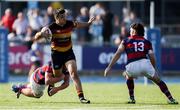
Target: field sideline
x,y
103,96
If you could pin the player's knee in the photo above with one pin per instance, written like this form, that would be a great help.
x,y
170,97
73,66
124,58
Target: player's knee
x,y
158,80
38,95
74,75
155,79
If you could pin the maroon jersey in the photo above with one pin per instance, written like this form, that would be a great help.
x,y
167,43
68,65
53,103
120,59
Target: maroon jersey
x,y
136,48
39,74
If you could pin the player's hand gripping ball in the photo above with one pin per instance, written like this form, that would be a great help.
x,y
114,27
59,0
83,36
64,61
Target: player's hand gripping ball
x,y
46,33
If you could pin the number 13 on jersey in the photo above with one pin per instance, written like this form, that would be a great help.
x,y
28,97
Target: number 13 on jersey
x,y
138,46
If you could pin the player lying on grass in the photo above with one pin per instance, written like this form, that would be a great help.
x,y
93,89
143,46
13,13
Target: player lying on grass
x,y
40,78
138,50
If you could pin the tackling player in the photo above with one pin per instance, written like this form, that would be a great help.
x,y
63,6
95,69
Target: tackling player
x,y
39,79
138,50
59,33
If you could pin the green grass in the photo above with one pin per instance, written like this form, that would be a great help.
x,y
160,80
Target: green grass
x,y
103,96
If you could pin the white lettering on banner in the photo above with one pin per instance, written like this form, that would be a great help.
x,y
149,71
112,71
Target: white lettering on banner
x,y
17,58
105,58
26,58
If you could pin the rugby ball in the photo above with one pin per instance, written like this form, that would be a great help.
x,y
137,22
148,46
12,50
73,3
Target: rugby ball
x,y
46,33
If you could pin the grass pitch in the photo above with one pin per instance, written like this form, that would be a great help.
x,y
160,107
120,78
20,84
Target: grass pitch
x,y
103,96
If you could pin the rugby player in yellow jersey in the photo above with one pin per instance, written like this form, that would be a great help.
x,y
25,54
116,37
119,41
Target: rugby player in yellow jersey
x,y
59,33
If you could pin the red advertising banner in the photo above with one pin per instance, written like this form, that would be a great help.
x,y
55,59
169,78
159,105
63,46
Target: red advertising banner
x,y
19,57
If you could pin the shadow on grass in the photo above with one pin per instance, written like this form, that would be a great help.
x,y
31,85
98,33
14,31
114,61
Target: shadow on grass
x,y
125,103
152,103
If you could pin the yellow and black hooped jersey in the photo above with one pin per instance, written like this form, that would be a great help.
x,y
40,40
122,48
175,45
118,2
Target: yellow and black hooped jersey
x,y
61,36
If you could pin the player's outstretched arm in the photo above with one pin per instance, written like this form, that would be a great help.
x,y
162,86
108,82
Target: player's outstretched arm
x,y
114,59
50,79
37,36
63,86
85,24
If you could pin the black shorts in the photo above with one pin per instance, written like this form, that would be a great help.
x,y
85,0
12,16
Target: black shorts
x,y
60,58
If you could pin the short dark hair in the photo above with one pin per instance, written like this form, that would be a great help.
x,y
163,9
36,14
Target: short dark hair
x,y
139,28
59,13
